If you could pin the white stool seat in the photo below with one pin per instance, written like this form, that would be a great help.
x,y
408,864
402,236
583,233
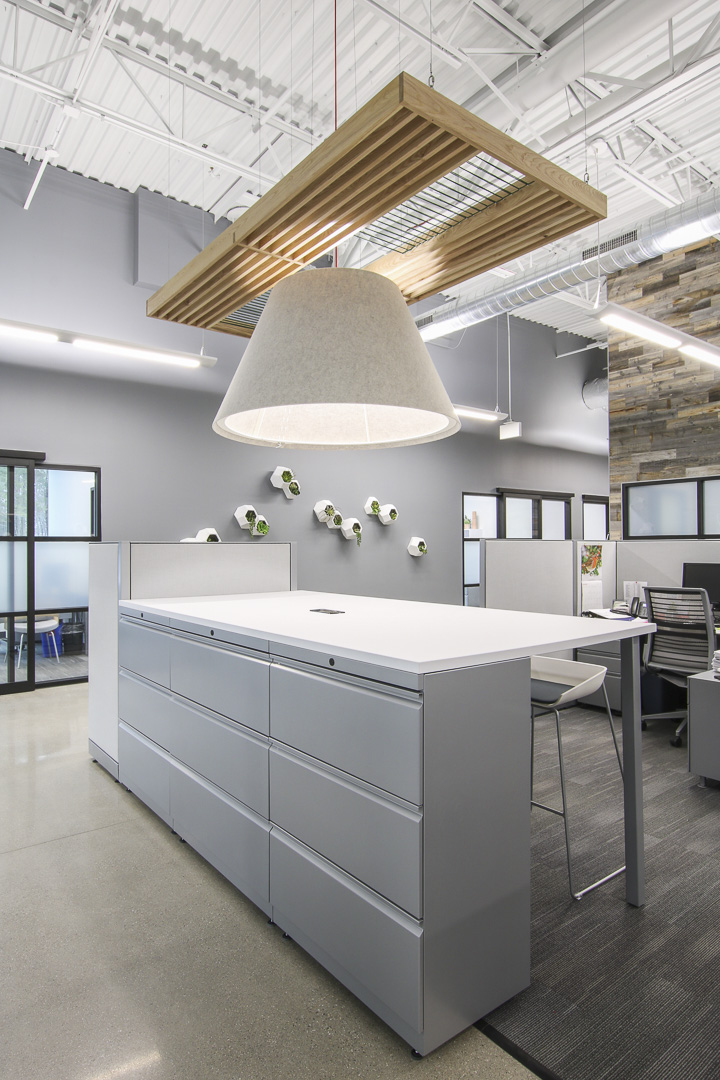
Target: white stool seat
x,y
555,684
575,680
44,625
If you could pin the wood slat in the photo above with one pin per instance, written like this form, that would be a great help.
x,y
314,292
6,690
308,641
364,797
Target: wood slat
x,y
461,267
401,141
358,209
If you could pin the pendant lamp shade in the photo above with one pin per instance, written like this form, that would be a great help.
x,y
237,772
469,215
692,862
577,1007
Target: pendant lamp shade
x,y
336,362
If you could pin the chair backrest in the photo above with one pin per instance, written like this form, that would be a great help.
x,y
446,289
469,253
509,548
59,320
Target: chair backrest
x,y
684,641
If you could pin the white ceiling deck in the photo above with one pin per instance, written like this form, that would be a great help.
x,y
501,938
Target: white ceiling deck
x,y
211,102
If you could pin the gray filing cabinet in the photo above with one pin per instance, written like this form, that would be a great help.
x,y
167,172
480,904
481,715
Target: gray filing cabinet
x,y
704,725
607,654
382,820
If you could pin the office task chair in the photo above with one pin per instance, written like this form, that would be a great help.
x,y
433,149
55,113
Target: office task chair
x,y
683,643
46,627
555,684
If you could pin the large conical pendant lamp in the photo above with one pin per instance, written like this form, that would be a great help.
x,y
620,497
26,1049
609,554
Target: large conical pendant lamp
x,y
336,362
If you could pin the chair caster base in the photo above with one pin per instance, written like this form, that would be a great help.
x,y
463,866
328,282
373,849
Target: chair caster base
x,y
676,740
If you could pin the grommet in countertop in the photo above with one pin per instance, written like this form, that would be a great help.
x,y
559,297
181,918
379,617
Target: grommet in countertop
x,y
212,633
331,662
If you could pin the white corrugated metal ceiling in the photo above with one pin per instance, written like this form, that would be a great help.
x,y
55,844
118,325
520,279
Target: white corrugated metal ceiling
x,y
211,102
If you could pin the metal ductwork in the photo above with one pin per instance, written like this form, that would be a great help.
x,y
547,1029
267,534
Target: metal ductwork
x,y
666,231
595,393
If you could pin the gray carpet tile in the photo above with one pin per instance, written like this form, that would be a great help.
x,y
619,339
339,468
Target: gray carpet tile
x,y
620,993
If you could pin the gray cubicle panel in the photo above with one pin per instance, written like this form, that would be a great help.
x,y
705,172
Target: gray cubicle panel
x,y
606,577
136,571
148,570
530,575
660,562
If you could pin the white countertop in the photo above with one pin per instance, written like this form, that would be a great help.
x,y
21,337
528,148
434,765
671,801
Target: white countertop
x,y
409,635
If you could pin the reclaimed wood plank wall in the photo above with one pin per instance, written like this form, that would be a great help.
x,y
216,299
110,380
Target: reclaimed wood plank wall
x,y
664,407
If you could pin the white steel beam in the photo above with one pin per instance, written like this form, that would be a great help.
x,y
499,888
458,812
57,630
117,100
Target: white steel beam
x,y
63,97
170,73
496,14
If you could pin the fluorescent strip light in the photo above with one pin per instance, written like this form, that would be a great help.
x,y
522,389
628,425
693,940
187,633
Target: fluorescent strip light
x,y
26,333
490,416
511,429
640,329
501,272
130,352
697,352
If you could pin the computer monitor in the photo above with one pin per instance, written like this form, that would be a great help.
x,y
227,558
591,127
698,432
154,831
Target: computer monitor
x,y
698,575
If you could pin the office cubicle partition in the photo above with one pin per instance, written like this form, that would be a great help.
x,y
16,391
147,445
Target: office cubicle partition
x,y
531,575
660,562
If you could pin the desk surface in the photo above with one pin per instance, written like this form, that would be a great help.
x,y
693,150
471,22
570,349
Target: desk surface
x,y
409,635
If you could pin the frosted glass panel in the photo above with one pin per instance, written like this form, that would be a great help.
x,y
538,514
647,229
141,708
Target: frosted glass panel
x,y
471,557
13,576
711,506
61,575
553,519
13,518
480,516
64,502
662,510
594,521
518,519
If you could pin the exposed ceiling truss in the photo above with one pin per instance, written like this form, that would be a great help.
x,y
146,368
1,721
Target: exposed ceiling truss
x,y
213,102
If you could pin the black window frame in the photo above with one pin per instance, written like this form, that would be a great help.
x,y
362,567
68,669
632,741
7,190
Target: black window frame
x,y
537,498
699,534
474,539
597,500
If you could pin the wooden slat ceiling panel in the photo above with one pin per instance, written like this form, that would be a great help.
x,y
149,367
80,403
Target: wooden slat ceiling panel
x,y
401,141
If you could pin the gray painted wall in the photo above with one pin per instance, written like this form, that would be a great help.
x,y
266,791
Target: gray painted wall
x,y
72,261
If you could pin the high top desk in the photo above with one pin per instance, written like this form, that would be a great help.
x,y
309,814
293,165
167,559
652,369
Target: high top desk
x,y
360,768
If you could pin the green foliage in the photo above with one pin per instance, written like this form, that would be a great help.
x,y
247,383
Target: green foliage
x,y
337,520
250,516
263,528
422,547
294,488
393,514
375,506
287,476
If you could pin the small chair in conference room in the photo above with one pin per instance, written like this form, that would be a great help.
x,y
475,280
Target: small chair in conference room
x,y
683,643
554,685
46,627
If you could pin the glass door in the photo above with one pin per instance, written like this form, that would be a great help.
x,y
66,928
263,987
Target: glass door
x,y
17,575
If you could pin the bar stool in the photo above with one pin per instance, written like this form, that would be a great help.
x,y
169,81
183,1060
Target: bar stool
x,y
556,684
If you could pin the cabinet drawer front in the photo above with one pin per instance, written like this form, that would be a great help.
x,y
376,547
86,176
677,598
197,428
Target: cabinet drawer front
x,y
232,838
144,651
145,770
146,708
376,945
225,755
226,682
371,735
610,660
374,840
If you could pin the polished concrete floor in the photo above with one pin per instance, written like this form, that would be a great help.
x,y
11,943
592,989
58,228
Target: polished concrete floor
x,y
124,956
